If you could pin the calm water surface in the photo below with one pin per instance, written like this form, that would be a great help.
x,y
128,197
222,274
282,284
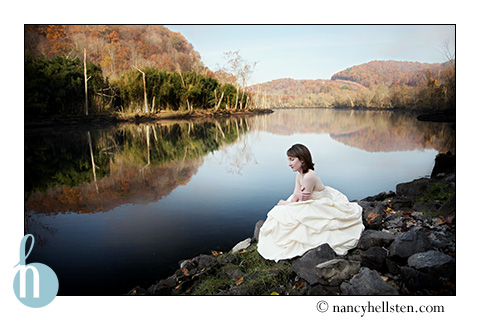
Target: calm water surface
x,y
112,209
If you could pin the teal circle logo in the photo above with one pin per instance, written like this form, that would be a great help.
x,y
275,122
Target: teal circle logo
x,y
35,284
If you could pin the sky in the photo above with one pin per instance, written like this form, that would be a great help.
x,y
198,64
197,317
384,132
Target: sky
x,y
315,51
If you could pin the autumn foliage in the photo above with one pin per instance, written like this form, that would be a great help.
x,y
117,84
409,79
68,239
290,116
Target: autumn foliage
x,y
377,84
115,48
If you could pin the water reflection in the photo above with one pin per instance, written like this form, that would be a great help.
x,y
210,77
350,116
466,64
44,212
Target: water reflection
x,y
88,172
133,164
373,131
130,202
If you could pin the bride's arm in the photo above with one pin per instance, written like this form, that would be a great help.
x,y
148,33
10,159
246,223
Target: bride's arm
x,y
309,182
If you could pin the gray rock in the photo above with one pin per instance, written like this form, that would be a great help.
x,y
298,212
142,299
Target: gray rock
x,y
414,188
233,272
366,205
429,259
367,282
401,203
138,291
204,261
320,290
242,245
334,272
425,207
305,267
374,258
374,238
422,216
410,243
373,218
416,280
163,287
448,208
256,232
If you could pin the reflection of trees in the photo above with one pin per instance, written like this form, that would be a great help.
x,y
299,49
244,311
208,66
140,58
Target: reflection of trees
x,y
41,232
372,131
239,155
137,164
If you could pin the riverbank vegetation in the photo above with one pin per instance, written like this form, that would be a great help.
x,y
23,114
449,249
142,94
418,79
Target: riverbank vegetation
x,y
374,85
140,69
125,70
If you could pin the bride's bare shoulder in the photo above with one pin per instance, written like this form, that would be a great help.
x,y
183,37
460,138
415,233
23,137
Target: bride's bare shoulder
x,y
311,174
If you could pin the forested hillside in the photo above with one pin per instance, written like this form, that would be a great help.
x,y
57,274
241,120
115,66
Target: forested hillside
x,y
82,69
115,48
389,73
377,84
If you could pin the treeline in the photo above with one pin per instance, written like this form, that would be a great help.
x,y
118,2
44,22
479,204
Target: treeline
x,y
174,91
436,92
56,86
389,73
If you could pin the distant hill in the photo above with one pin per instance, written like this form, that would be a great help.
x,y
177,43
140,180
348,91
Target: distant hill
x,y
389,73
115,48
290,86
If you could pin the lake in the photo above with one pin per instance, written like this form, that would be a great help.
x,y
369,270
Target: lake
x,y
114,208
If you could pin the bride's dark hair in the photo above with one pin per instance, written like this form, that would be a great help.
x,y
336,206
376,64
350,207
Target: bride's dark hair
x,y
301,152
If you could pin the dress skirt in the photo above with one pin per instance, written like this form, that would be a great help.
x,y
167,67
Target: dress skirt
x,y
293,229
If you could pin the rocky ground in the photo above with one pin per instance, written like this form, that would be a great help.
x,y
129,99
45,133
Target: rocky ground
x,y
407,248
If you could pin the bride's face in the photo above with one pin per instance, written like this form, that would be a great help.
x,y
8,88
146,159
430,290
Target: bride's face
x,y
295,164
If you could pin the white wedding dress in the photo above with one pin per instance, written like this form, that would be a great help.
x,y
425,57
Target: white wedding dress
x,y
293,229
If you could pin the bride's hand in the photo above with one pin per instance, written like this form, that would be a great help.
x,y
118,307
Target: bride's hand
x,y
282,203
305,195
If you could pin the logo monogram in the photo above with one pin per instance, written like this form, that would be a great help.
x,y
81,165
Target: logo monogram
x,y
35,284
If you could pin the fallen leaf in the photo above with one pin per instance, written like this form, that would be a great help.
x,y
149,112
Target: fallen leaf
x,y
372,215
274,293
384,278
178,286
185,271
134,292
239,281
215,253
188,290
389,210
298,285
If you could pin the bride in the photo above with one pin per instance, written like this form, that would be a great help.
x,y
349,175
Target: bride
x,y
313,215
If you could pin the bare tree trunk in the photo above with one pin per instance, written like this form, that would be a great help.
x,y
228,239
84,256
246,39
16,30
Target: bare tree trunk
x,y
86,79
144,89
236,98
219,102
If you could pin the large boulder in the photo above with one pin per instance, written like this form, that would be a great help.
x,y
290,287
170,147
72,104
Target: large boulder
x,y
435,263
413,189
305,267
410,243
334,272
449,207
375,238
367,282
256,232
374,258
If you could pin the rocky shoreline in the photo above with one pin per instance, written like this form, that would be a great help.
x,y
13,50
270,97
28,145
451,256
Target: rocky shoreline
x,y
407,248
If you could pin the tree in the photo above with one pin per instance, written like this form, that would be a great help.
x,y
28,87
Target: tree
x,y
242,71
144,89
